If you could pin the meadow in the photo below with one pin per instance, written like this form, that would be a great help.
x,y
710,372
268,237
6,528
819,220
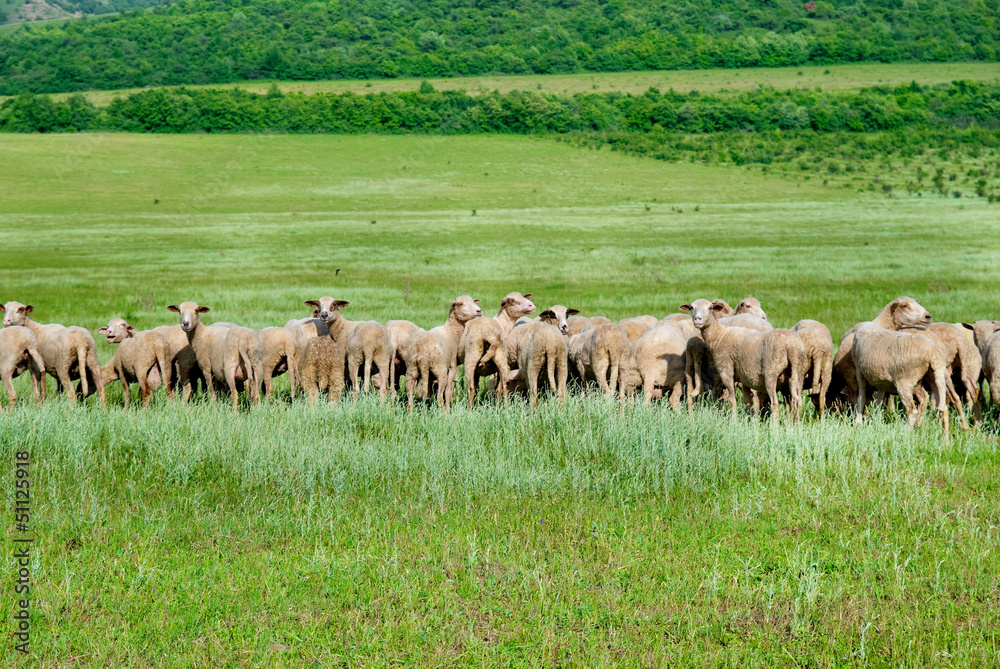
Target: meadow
x,y
593,534
849,76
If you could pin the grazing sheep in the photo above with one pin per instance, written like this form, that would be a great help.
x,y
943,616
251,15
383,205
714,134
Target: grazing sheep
x,y
201,340
888,361
602,354
434,353
481,350
19,353
901,312
545,348
400,333
69,352
279,348
577,324
658,363
986,335
758,360
141,357
238,361
819,359
634,328
322,361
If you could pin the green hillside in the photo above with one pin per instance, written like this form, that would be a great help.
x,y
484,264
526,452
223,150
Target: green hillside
x,y
16,11
219,41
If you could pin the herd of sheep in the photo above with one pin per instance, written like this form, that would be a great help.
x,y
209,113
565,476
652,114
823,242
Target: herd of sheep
x,y
710,347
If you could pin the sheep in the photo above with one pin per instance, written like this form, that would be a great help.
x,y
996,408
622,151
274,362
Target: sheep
x,y
19,353
367,343
481,350
599,320
758,360
545,348
141,357
601,353
68,352
321,368
634,328
901,312
819,359
279,349
986,335
889,360
651,321
434,353
699,366
658,362
750,305
400,333
238,361
201,340
558,315
965,366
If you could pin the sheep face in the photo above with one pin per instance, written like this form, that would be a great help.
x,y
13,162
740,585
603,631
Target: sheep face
x,y
751,305
517,305
326,308
15,313
189,312
117,331
703,311
557,316
907,312
465,308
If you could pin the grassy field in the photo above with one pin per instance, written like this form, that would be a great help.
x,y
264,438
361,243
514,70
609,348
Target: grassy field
x,y
588,535
715,81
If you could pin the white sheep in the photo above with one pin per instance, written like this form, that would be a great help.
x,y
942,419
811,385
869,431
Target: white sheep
x,y
18,354
280,356
201,339
141,357
434,354
658,363
986,335
481,350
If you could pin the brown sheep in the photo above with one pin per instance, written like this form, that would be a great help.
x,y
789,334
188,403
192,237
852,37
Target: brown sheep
x,y
481,350
279,348
545,349
322,361
901,312
238,362
700,369
19,353
986,335
434,354
201,339
400,333
657,362
965,365
602,354
69,352
758,360
888,361
368,344
819,360
141,357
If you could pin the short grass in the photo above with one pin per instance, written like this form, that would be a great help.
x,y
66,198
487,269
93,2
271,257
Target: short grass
x,y
705,81
586,535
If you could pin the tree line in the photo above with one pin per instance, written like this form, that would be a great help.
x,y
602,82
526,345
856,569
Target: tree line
x,y
219,41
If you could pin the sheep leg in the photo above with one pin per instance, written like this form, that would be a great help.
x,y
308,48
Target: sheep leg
x,y
581,370
293,374
411,380
231,382
562,374
449,388
550,369
503,371
66,383
471,377
771,384
647,388
11,395
675,396
601,373
726,378
957,401
368,373
861,401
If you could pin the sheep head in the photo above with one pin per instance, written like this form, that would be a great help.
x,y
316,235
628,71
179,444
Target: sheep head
x,y
703,312
189,312
326,308
557,315
15,313
117,331
907,312
750,305
517,305
464,309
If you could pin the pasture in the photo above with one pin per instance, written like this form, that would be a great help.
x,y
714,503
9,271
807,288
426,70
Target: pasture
x,y
850,76
594,534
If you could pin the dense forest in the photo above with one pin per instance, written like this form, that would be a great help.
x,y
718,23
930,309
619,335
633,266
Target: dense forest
x,y
12,11
217,41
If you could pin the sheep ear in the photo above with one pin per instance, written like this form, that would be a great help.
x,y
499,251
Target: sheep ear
x,y
476,301
547,314
968,326
131,330
173,307
1,307
527,295
572,312
686,307
28,309
203,310
103,330
505,303
717,307
340,304
312,303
